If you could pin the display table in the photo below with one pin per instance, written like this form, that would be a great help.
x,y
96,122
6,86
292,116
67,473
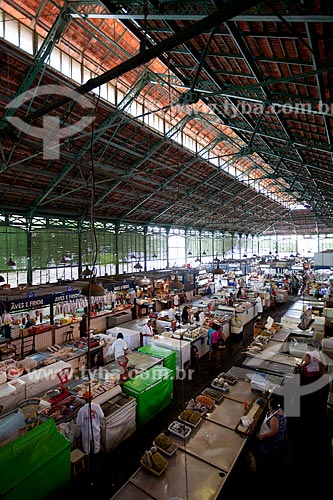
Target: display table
x,y
12,425
216,445
168,356
11,394
241,391
153,391
138,360
132,337
186,476
182,348
227,414
40,381
119,420
281,295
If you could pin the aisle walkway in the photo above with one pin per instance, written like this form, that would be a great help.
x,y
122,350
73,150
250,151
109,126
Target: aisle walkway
x,y
115,468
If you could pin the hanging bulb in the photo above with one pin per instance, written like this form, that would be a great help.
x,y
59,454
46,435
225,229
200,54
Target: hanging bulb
x,y
93,289
86,272
10,262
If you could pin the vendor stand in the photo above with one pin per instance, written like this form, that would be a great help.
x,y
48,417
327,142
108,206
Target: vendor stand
x,y
119,420
168,356
44,379
182,348
214,444
36,465
132,337
202,481
153,391
139,362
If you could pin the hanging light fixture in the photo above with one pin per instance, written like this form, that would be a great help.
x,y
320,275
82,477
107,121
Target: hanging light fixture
x,y
216,259
10,262
93,289
154,256
86,272
197,260
244,256
204,252
189,252
138,265
133,256
175,285
2,279
218,270
143,281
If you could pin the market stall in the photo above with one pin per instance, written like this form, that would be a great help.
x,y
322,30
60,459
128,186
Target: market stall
x,y
132,337
202,481
138,362
181,347
153,391
168,356
11,394
42,457
40,381
119,420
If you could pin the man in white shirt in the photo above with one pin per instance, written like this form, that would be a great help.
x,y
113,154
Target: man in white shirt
x,y
201,317
172,313
176,300
147,332
89,418
118,347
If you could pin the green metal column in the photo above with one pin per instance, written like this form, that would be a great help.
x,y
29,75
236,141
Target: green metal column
x,y
167,247
29,252
117,246
145,248
79,246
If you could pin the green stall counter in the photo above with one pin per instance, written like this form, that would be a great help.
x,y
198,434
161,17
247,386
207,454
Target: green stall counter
x,y
168,356
35,466
153,390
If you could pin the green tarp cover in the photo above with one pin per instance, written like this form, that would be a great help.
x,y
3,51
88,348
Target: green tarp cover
x,y
36,465
168,356
152,390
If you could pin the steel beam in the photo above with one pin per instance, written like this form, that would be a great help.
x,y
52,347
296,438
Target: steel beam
x,y
224,12
128,99
43,53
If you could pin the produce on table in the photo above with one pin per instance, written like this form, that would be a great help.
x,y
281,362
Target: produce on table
x,y
163,441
